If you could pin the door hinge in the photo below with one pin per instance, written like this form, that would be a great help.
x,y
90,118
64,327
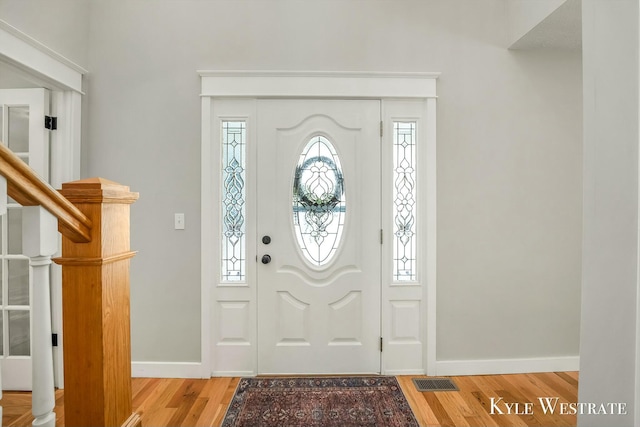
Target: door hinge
x,y
381,128
381,344
381,236
50,122
54,340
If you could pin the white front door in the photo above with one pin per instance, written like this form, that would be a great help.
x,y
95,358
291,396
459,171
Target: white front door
x,y
22,129
318,229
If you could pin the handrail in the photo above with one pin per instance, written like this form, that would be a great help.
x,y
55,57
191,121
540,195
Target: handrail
x,y
95,294
29,189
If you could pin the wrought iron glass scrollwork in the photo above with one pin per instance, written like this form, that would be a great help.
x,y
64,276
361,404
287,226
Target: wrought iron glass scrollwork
x,y
404,201
319,205
233,201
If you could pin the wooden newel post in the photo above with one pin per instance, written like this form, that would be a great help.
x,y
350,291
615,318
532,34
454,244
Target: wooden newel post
x,y
95,308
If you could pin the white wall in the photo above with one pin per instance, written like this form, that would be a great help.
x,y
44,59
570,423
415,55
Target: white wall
x,y
509,206
509,153
62,25
509,166
610,262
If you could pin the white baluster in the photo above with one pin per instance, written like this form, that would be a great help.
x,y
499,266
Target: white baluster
x,y
3,210
39,243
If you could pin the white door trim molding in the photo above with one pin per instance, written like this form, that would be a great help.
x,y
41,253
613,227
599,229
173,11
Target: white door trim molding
x,y
46,68
312,84
251,85
29,55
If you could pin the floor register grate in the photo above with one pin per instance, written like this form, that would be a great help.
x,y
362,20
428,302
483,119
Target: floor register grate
x,y
434,384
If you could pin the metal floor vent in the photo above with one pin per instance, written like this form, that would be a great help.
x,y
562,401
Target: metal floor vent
x,y
434,384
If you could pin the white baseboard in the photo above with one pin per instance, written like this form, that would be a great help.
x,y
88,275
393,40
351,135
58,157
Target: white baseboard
x,y
404,372
167,370
443,367
507,366
233,374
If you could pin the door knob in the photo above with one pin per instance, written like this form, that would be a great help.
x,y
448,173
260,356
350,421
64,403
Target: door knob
x,y
266,259
266,240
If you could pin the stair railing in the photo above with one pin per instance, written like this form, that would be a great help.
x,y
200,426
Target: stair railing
x,y
93,217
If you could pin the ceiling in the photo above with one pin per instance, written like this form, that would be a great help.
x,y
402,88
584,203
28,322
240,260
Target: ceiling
x,y
562,29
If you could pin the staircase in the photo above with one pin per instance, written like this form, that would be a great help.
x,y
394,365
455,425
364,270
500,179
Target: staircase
x,y
93,217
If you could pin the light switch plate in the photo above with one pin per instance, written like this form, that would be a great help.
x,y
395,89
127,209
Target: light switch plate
x,y
179,221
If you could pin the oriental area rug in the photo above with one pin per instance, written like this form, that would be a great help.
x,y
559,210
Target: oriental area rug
x,y
320,401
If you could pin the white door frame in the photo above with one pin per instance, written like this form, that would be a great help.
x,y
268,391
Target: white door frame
x,y
395,90
46,68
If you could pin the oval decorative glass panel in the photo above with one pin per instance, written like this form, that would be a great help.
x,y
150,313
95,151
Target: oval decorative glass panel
x,y
319,206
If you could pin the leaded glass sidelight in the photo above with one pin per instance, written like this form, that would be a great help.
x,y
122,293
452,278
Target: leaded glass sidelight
x,y
233,201
319,205
404,201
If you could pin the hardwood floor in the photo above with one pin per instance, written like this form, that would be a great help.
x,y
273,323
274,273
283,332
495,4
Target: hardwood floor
x,y
192,402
